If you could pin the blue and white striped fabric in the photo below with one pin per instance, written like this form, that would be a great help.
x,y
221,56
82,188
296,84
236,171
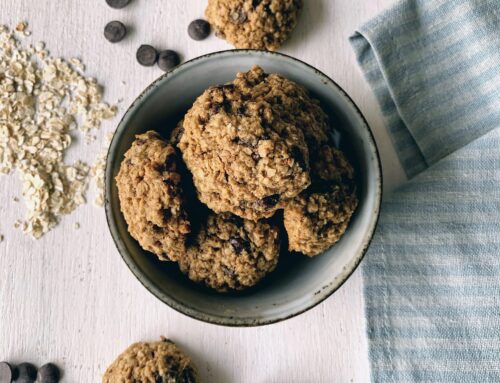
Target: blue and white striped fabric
x,y
432,275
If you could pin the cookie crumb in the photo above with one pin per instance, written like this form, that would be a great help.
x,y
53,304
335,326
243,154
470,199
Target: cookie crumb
x,y
77,226
1,238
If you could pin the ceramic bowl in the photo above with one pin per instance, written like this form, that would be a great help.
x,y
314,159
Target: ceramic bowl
x,y
299,283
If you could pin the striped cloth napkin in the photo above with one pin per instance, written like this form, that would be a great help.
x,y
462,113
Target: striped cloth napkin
x,y
432,275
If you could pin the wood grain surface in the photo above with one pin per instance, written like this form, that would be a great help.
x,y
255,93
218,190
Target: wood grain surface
x,y
68,298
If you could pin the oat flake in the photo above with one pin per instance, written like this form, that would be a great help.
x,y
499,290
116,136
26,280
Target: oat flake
x,y
42,101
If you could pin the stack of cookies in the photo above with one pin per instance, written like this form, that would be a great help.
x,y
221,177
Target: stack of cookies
x,y
251,166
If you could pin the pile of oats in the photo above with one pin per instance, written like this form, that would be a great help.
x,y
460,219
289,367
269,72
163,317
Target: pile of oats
x,y
43,102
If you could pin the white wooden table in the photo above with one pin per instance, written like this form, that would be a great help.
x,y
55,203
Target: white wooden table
x,y
70,299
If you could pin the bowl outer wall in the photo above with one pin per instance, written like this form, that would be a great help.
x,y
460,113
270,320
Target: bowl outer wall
x,y
308,284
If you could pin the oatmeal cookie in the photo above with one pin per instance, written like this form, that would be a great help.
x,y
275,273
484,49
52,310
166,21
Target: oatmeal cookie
x,y
319,216
231,253
152,362
151,197
255,24
246,143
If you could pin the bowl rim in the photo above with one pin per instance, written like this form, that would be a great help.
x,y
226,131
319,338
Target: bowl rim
x,y
180,306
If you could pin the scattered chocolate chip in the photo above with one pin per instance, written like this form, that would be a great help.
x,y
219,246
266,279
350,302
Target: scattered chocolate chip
x,y
298,157
255,3
117,4
146,55
271,200
115,31
6,373
238,16
168,60
48,373
26,373
199,29
255,157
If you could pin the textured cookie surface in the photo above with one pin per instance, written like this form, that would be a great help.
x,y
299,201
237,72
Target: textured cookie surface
x,y
255,24
246,143
231,253
154,362
319,216
151,197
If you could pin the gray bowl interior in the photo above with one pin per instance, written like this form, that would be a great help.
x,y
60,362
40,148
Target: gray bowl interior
x,y
299,283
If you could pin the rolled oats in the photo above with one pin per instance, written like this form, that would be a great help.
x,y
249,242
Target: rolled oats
x,y
42,100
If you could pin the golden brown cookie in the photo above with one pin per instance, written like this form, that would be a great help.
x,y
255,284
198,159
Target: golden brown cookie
x,y
154,362
255,24
319,216
151,197
231,253
246,143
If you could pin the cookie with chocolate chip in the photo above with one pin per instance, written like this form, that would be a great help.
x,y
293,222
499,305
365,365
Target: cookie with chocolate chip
x,y
246,143
152,362
317,218
151,196
254,24
231,253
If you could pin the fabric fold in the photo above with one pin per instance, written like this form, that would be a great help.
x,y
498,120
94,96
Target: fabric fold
x,y
432,273
434,67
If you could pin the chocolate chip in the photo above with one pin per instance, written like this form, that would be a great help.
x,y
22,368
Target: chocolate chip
x,y
48,373
298,157
199,29
228,271
167,214
239,244
242,110
271,200
115,31
168,60
226,105
234,219
146,55
238,16
6,373
256,157
157,229
255,3
27,373
117,4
